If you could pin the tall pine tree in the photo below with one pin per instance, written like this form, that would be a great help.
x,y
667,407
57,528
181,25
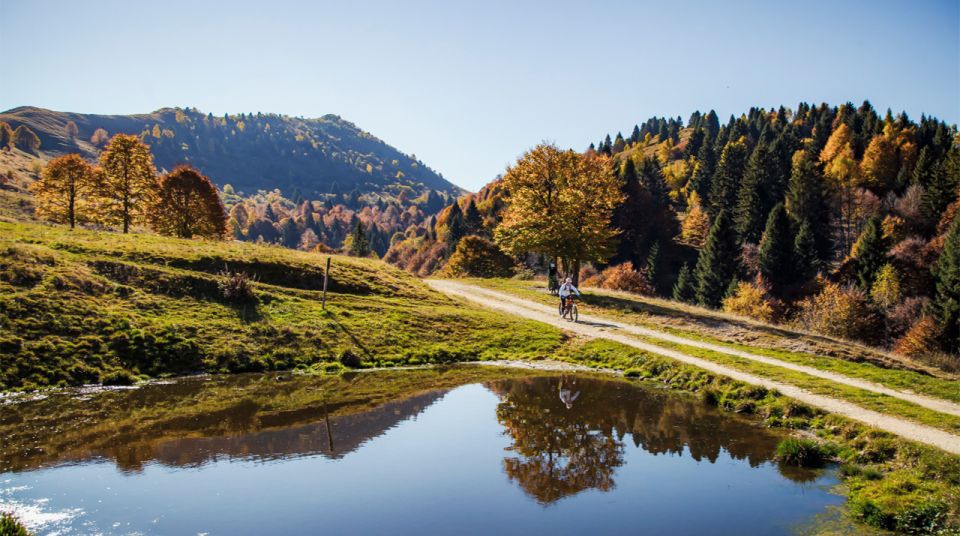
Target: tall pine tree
x,y
776,249
684,289
717,263
806,259
726,180
946,302
472,221
806,202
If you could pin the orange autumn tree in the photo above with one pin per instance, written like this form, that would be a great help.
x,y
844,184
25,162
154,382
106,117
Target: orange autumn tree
x,y
560,205
187,205
127,183
59,194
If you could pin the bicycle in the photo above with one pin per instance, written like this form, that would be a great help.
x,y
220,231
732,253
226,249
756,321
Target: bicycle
x,y
568,309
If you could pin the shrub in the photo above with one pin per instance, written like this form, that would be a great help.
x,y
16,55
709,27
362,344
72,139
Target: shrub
x,y
920,339
800,452
349,359
9,526
523,272
588,271
118,377
751,301
840,312
621,277
236,287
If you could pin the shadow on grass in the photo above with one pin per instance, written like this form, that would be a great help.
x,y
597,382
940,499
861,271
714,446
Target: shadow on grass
x,y
659,310
353,338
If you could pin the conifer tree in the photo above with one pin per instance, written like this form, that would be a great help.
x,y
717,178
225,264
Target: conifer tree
x,y
628,216
806,260
941,189
726,180
653,259
289,234
472,221
683,289
805,202
456,229
269,214
776,249
946,301
748,216
871,253
702,178
717,263
359,246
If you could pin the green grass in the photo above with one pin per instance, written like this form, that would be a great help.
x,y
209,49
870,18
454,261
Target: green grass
x,y
82,307
802,452
946,387
867,399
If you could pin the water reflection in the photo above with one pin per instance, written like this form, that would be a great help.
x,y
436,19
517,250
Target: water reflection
x,y
404,452
198,420
561,448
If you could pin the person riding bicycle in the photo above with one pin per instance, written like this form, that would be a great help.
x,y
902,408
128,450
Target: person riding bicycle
x,y
567,290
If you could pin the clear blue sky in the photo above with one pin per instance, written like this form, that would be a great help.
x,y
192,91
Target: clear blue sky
x,y
469,88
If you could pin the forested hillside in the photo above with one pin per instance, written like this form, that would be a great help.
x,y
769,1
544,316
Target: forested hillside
x,y
301,156
836,219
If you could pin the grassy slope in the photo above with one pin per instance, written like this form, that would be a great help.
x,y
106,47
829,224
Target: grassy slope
x,y
82,306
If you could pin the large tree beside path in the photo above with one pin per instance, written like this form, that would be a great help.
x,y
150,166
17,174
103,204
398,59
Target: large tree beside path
x,y
560,203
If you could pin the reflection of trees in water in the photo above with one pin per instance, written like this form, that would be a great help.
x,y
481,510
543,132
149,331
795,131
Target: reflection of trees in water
x,y
560,452
194,420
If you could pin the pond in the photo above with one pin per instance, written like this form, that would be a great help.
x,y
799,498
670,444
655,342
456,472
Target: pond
x,y
458,450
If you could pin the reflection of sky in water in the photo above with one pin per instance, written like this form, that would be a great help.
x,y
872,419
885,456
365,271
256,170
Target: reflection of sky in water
x,y
36,513
441,472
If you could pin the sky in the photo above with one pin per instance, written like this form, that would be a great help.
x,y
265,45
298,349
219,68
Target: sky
x,y
468,87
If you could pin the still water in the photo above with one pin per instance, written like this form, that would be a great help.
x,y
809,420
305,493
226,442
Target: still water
x,y
462,450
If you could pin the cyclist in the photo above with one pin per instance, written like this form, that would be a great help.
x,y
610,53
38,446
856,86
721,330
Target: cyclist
x,y
566,292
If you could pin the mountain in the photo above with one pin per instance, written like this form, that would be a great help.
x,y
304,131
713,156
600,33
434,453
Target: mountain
x,y
249,151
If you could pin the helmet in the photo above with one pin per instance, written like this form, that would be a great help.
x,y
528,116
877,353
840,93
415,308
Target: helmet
x,y
568,280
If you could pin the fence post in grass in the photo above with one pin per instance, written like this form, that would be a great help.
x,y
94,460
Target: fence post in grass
x,y
326,277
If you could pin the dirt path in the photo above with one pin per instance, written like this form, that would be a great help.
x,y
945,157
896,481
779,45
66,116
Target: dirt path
x,y
936,404
618,332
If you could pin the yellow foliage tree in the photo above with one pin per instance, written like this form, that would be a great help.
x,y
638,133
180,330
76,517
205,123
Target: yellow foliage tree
x,y
749,300
61,191
841,169
887,289
696,224
128,181
880,162
560,205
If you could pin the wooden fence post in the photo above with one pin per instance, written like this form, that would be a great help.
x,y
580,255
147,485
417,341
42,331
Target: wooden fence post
x,y
326,277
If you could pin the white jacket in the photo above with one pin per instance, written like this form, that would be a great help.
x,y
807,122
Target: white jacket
x,y
567,289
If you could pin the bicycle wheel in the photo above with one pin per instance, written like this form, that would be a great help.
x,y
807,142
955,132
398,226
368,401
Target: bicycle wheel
x,y
560,309
574,314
